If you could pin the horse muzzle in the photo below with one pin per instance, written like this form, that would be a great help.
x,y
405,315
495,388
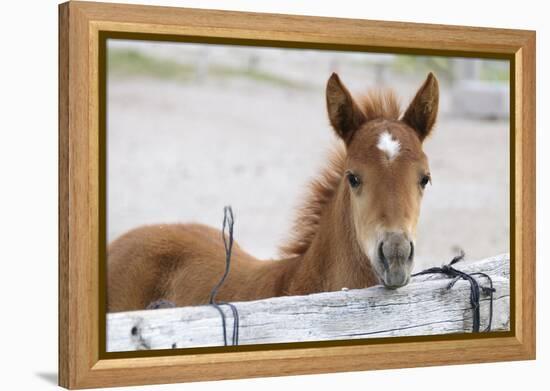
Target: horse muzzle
x,y
395,255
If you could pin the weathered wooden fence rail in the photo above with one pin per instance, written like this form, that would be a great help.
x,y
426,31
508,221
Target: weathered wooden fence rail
x,y
424,307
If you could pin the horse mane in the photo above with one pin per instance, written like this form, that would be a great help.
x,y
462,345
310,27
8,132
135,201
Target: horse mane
x,y
309,213
376,104
380,104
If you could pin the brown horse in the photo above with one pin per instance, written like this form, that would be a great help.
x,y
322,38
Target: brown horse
x,y
357,229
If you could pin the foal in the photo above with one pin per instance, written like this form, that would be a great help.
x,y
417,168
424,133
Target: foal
x,y
357,229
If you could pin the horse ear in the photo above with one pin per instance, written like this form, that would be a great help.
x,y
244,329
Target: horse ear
x,y
344,114
422,112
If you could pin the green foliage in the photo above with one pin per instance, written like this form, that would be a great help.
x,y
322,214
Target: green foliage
x,y
444,67
222,71
130,62
408,64
495,71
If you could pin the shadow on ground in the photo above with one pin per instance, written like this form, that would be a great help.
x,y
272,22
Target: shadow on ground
x,y
48,377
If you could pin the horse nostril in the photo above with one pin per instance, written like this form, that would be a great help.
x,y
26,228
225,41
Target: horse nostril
x,y
411,256
382,256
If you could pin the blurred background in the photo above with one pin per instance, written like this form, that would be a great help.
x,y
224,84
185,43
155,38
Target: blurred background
x,y
191,128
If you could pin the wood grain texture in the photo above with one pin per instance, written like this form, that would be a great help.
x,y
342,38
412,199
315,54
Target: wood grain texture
x,y
424,307
81,364
292,28
525,187
63,307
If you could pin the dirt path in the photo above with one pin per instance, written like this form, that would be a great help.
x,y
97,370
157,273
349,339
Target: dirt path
x,y
175,154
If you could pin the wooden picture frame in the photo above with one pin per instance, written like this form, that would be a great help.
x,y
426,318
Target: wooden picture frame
x,y
83,26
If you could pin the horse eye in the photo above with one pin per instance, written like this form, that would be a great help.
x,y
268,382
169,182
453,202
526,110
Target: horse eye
x,y
353,180
424,181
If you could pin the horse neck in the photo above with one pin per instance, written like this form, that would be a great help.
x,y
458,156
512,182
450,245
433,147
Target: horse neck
x,y
334,259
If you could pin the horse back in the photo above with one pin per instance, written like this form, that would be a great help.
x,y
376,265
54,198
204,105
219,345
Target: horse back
x,y
152,262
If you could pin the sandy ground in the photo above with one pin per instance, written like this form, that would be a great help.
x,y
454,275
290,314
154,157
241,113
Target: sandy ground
x,y
180,152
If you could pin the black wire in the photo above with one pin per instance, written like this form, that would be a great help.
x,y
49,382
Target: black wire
x,y
490,291
228,222
449,270
474,288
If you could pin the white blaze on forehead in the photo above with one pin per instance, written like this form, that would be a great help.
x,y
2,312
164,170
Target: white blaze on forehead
x,y
388,145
